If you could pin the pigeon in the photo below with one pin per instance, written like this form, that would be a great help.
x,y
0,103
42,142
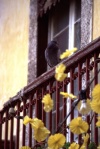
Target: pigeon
x,y
52,54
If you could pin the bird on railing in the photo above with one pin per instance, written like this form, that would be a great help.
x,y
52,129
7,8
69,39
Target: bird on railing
x,y
52,54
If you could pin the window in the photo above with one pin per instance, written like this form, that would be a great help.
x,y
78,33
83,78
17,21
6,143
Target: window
x,y
64,24
61,23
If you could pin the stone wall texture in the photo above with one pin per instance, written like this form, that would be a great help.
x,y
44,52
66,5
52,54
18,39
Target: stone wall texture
x,y
32,56
86,21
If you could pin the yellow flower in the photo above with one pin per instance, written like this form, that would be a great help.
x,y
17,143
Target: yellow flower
x,y
78,126
67,53
74,50
60,76
27,120
98,122
85,138
74,146
98,118
37,123
96,92
95,106
59,72
83,147
25,147
60,68
48,103
66,95
40,132
56,141
85,110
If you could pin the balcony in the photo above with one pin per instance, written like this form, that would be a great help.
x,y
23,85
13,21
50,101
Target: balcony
x,y
82,69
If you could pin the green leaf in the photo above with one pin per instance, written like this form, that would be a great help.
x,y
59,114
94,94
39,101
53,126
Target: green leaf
x,y
92,145
66,145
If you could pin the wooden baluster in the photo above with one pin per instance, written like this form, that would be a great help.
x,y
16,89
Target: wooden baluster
x,y
43,112
88,90
71,91
6,130
30,115
1,128
79,88
64,107
36,104
12,143
37,108
17,127
24,128
57,104
50,113
95,115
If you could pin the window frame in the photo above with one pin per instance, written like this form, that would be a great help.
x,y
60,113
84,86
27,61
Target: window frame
x,y
71,26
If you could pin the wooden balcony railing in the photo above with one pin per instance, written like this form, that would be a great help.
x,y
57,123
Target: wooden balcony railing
x,y
81,67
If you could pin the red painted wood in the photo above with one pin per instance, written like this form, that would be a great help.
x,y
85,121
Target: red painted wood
x,y
23,132
64,108
11,132
79,88
88,90
49,115
95,115
71,91
0,129
36,105
57,105
18,127
6,130
43,112
30,115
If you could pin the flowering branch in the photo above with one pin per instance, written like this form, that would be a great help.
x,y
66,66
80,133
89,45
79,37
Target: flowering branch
x,y
77,125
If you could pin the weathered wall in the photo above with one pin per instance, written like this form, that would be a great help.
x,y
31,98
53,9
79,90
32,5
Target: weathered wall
x,y
86,21
14,26
32,56
96,19
32,53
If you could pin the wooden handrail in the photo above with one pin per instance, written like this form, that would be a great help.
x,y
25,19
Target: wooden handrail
x,y
83,63
69,62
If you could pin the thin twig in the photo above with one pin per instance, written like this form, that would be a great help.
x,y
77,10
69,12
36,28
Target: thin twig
x,y
91,119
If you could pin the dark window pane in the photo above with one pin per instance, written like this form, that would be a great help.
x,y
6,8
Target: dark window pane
x,y
60,16
77,35
62,39
77,9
